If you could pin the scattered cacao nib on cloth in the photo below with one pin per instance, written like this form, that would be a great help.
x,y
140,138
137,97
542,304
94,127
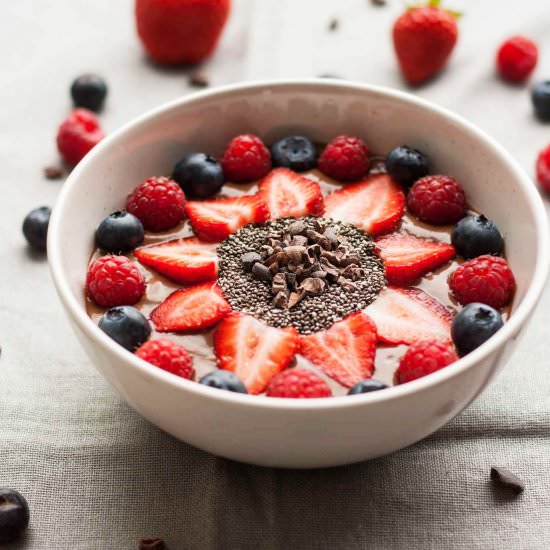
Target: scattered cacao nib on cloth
x,y
505,478
53,172
152,544
198,80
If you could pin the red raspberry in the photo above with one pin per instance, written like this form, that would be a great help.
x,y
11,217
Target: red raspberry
x,y
438,200
486,279
78,133
246,159
425,357
516,58
168,356
158,202
345,158
298,383
543,168
114,281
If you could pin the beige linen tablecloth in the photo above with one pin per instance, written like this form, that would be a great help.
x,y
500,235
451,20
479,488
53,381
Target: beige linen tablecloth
x,y
99,476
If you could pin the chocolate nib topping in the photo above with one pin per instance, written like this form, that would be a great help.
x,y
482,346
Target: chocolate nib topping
x,y
306,273
304,261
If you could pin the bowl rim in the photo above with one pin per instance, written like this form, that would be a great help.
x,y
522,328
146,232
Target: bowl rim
x,y
99,338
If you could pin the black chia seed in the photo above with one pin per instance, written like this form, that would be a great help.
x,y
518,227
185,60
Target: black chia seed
x,y
313,313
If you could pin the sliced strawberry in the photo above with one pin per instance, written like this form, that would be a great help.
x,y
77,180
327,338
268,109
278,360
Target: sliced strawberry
x,y
185,261
216,219
191,308
407,258
374,204
252,350
407,315
345,351
287,194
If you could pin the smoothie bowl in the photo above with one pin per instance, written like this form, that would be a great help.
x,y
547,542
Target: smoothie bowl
x,y
353,245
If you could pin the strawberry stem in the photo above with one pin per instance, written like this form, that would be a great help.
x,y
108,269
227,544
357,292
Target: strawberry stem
x,y
434,4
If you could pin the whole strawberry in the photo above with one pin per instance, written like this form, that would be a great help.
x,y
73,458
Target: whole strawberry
x,y
423,38
180,31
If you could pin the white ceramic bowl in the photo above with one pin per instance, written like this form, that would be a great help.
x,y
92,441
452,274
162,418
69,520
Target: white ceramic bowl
x,y
284,432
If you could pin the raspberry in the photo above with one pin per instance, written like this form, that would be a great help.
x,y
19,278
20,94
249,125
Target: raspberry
x,y
158,202
246,158
345,158
168,356
486,279
298,383
437,199
543,168
516,58
114,281
78,133
425,357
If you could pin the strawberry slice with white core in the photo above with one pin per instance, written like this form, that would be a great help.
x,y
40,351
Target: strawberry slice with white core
x,y
374,204
186,261
253,351
407,258
345,351
192,308
407,315
287,194
214,220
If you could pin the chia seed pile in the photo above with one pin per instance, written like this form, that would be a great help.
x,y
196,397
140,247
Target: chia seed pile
x,y
254,279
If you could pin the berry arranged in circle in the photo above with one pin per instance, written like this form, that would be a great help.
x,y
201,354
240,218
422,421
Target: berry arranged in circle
x,y
78,134
473,326
199,175
35,228
119,232
295,152
345,158
126,325
158,202
89,91
168,356
367,386
114,281
475,236
246,159
302,282
486,279
425,357
438,200
406,165
516,58
223,380
298,383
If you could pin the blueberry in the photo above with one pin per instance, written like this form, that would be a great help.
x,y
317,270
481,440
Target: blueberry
x,y
406,165
366,386
35,228
295,152
540,96
89,91
223,380
472,326
474,236
126,325
14,514
119,232
199,175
